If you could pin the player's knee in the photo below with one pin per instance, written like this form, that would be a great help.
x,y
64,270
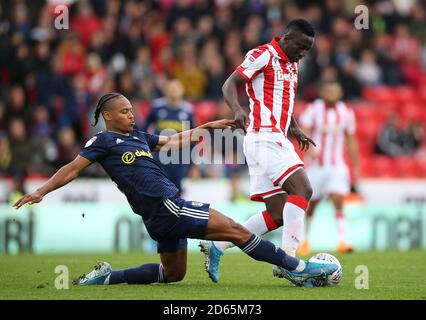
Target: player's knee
x,y
308,192
175,275
277,216
305,191
239,234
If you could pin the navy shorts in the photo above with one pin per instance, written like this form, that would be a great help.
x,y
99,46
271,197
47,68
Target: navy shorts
x,y
177,220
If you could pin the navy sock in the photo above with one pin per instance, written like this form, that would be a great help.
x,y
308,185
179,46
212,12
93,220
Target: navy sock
x,y
263,250
144,274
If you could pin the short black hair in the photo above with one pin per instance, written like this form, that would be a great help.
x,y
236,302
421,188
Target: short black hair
x,y
302,26
103,101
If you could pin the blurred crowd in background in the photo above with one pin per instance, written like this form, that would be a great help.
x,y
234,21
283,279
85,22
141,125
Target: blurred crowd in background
x,y
51,79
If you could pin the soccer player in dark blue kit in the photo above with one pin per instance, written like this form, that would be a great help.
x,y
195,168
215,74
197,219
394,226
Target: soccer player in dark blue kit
x,y
126,155
171,114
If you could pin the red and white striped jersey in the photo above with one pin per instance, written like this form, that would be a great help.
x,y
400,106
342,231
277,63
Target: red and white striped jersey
x,y
271,87
328,129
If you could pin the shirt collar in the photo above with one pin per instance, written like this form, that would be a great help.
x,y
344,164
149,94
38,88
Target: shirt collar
x,y
274,43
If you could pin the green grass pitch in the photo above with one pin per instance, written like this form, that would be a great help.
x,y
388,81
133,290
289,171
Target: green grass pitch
x,y
391,275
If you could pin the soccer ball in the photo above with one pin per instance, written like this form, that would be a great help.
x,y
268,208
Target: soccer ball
x,y
332,279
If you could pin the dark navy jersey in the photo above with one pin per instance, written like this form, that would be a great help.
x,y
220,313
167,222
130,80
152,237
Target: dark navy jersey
x,y
168,120
129,162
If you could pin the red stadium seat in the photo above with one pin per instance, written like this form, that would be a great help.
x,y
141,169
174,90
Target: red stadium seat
x,y
406,167
205,111
385,167
406,94
381,95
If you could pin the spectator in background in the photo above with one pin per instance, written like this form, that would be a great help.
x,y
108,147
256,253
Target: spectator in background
x,y
72,55
5,153
68,148
216,77
85,23
22,64
95,73
41,131
126,84
40,125
189,72
368,71
17,105
388,64
414,137
21,148
169,115
3,123
350,84
141,67
391,137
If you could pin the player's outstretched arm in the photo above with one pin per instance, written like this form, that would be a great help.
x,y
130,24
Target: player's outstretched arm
x,y
64,175
230,94
185,138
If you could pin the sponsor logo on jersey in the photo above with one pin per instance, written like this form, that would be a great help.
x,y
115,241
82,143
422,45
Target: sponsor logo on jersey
x,y
129,157
280,76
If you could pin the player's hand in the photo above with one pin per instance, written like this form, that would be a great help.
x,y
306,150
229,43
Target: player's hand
x,y
303,140
30,198
221,124
241,120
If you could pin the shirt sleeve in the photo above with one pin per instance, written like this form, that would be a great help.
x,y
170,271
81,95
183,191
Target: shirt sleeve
x,y
307,117
255,61
151,139
95,149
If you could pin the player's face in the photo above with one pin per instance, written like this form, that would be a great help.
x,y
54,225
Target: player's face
x,y
121,116
331,92
297,45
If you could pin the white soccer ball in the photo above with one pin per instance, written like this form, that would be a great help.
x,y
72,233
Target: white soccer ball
x,y
336,276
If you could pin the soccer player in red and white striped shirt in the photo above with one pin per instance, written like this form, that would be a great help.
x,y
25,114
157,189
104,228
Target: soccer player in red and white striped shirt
x,y
331,123
277,177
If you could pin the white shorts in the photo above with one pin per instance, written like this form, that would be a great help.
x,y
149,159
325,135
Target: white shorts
x,y
271,159
326,180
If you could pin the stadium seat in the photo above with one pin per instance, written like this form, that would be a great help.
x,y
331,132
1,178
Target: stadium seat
x,y
406,94
205,111
381,94
385,167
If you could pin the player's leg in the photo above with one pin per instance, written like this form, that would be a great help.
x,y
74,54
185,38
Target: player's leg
x,y
220,227
174,264
337,200
263,222
173,255
305,247
299,191
337,186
